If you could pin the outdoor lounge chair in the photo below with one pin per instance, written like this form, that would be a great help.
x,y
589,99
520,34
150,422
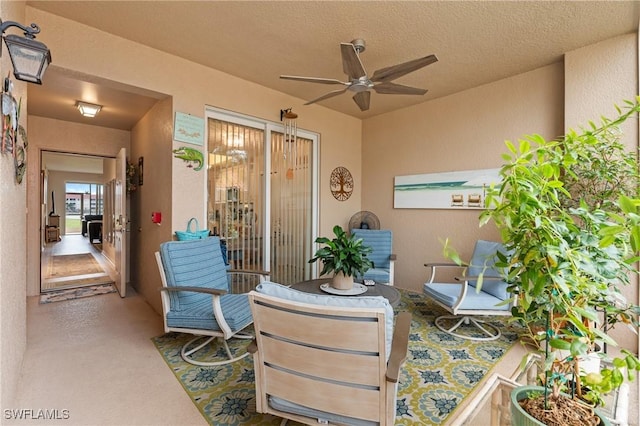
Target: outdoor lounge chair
x,y
197,299
465,301
327,359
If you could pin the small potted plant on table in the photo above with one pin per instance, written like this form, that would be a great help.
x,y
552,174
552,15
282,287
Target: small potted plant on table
x,y
345,256
568,213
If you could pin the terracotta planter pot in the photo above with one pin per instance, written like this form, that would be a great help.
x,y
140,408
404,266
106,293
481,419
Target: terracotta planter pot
x,y
342,281
519,417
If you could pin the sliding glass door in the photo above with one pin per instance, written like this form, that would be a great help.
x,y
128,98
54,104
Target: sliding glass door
x,y
266,223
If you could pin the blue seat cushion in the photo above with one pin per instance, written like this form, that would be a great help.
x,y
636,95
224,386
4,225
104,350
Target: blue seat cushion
x,y
376,274
448,295
235,309
322,416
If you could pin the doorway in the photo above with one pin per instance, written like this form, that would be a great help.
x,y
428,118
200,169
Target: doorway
x,y
262,194
72,199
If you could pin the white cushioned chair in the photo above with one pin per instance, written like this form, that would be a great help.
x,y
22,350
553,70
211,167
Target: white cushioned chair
x,y
321,359
381,243
465,300
197,299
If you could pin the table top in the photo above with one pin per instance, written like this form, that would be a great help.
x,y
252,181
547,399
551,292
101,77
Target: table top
x,y
384,290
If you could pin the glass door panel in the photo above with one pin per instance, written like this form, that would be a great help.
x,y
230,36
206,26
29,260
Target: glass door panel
x,y
291,194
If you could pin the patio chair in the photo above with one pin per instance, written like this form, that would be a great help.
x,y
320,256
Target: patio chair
x,y
465,301
381,242
326,359
197,298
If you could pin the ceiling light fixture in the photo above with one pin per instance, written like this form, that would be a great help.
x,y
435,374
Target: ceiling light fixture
x,y
29,57
87,109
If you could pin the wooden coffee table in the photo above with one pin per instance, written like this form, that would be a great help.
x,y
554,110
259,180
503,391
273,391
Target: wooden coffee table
x,y
386,291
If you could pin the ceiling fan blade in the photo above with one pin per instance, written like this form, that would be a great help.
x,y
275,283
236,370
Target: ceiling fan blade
x,y
351,64
327,95
314,79
363,100
389,88
395,71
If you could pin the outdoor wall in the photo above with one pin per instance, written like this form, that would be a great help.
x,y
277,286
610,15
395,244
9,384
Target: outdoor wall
x,y
592,88
464,131
191,87
151,138
59,136
13,226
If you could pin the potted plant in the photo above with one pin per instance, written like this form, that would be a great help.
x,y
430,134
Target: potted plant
x,y
345,256
568,214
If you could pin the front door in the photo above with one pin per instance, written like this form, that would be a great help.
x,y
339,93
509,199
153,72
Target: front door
x,y
120,223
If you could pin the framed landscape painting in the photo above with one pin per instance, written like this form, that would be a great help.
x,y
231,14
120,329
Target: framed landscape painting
x,y
459,190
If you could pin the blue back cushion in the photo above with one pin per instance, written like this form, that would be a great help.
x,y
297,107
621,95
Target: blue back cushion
x,y
194,263
380,241
483,262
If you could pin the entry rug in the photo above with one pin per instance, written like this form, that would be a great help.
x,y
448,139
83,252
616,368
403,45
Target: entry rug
x,y
77,293
440,371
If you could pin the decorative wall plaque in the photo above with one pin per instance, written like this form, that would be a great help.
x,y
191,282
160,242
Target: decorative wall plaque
x,y
341,183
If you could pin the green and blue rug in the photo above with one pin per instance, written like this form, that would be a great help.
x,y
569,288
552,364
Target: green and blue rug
x,y
440,371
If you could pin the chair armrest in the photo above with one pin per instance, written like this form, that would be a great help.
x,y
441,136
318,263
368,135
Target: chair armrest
x,y
247,271
433,265
253,347
476,278
399,346
214,291
392,257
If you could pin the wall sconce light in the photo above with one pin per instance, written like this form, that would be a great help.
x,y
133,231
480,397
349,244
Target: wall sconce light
x,y
29,57
87,109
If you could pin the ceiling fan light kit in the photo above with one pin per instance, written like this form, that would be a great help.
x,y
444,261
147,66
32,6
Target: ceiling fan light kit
x,y
360,83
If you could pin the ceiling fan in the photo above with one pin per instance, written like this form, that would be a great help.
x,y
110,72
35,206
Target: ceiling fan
x,y
360,83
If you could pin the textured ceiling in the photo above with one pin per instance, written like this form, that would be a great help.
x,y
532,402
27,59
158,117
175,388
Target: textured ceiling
x,y
477,42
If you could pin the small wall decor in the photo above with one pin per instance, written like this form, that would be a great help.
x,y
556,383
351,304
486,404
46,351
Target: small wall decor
x,y
140,171
450,190
131,174
188,128
192,157
341,183
11,130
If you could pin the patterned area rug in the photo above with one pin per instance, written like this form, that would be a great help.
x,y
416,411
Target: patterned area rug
x,y
441,370
77,293
72,264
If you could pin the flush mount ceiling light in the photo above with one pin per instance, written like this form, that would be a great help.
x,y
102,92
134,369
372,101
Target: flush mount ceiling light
x,y
87,109
29,57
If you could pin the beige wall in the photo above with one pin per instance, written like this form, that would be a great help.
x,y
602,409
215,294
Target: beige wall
x,y
151,138
13,225
46,134
592,89
465,131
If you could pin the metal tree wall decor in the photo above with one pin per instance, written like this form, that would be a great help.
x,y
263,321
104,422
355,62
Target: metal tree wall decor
x,y
341,183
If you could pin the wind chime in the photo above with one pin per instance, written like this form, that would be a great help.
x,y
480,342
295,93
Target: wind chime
x,y
289,121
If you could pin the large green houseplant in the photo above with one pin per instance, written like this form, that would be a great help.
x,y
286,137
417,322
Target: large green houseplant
x,y
568,213
345,256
